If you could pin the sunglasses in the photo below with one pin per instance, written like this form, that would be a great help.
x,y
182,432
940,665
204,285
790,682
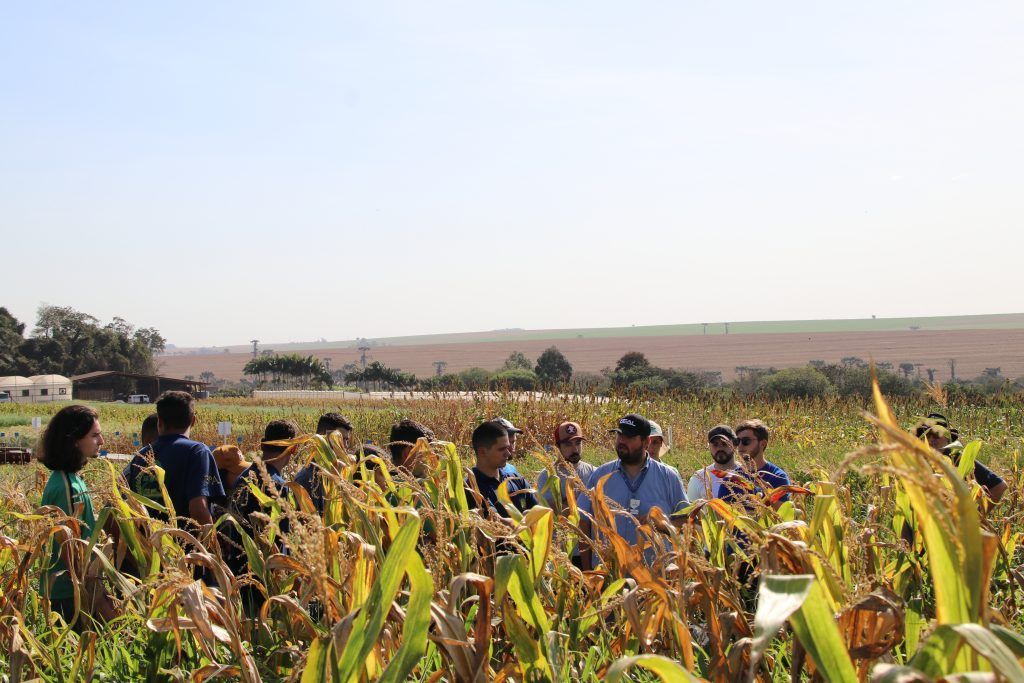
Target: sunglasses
x,y
747,440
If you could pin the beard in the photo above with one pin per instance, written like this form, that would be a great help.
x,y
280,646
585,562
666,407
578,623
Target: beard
x,y
628,457
722,457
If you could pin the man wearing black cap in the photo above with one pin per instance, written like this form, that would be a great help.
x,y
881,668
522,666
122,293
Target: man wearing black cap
x,y
705,484
635,481
945,439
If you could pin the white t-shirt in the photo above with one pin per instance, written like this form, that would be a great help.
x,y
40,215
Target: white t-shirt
x,y
703,484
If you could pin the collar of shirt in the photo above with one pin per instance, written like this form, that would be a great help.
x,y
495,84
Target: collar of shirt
x,y
486,478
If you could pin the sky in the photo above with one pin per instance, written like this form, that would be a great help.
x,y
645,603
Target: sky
x,y
225,171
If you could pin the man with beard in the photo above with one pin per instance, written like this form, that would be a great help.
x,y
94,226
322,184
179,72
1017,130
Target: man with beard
x,y
635,482
707,483
753,441
569,466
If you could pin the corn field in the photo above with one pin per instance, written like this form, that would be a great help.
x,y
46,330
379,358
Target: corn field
x,y
887,564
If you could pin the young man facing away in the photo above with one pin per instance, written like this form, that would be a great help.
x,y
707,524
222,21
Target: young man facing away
x,y
635,481
190,472
404,435
148,433
752,438
245,505
310,477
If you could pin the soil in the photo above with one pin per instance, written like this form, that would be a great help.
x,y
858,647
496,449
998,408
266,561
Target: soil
x,y
973,350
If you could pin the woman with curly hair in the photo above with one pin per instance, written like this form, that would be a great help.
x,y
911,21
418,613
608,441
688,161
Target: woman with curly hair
x,y
72,437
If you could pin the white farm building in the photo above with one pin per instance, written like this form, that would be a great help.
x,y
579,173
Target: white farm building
x,y
37,389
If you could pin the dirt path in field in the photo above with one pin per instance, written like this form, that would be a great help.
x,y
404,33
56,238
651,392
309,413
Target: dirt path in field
x,y
973,350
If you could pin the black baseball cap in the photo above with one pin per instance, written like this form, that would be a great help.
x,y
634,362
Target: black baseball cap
x,y
724,431
633,425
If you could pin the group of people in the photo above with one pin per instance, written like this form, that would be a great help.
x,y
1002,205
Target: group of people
x,y
635,481
194,485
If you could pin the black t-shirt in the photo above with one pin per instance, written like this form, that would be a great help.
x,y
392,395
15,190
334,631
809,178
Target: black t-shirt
x,y
983,475
518,491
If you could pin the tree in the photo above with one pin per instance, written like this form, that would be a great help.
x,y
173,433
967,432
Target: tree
x,y
475,379
796,383
515,380
517,360
553,367
632,361
11,338
907,369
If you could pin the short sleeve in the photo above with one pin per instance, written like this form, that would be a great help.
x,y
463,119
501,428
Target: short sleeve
x,y
676,493
203,478
695,489
985,476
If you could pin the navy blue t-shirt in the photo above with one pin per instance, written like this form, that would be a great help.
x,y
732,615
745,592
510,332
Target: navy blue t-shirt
x,y
773,477
243,505
189,472
518,491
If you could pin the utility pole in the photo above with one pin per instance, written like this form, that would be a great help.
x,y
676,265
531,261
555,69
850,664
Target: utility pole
x,y
952,369
327,363
727,328
705,328
255,348
439,366
362,357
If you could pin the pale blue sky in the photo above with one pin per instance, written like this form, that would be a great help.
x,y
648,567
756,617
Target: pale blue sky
x,y
290,171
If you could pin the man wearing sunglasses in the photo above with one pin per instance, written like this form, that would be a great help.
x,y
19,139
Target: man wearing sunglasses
x,y
753,441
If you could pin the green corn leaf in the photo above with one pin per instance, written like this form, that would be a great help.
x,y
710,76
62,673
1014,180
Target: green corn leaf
x,y
417,622
666,669
777,598
368,624
815,625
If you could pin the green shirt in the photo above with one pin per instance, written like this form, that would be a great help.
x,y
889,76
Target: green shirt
x,y
67,491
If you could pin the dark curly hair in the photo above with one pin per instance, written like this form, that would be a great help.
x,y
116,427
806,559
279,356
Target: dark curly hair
x,y
64,430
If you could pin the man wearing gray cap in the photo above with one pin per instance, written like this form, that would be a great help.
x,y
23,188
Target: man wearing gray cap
x,y
706,483
512,432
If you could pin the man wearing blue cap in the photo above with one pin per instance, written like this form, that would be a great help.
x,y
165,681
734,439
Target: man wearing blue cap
x,y
634,481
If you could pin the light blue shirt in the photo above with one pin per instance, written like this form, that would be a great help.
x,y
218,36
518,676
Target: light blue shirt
x,y
657,484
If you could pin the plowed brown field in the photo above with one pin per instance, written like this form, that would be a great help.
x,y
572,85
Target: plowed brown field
x,y
973,350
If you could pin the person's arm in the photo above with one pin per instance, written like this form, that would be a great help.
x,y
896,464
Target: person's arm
x,y
678,496
586,553
199,510
996,492
991,483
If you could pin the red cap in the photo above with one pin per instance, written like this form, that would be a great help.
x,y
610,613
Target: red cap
x,y
568,431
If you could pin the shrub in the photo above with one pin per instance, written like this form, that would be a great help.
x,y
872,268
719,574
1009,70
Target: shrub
x,y
796,383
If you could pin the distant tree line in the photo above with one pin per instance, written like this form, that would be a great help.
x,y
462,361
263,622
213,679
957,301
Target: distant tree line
x,y
69,342
287,371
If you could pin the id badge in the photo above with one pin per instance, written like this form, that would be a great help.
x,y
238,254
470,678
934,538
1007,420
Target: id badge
x,y
634,506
